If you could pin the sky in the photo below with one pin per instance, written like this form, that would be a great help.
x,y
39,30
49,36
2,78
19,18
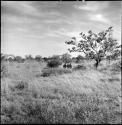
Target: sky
x,y
42,27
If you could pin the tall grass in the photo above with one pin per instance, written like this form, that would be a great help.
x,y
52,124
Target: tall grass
x,y
54,71
84,96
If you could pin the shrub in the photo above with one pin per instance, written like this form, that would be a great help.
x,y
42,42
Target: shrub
x,y
79,58
3,70
54,71
66,58
19,59
38,58
53,63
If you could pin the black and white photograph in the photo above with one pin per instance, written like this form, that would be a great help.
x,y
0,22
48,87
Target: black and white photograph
x,y
61,62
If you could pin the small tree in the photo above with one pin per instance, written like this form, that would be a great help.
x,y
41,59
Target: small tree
x,y
95,46
18,59
66,58
10,59
38,58
29,57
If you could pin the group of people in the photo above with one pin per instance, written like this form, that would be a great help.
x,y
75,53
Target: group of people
x,y
67,65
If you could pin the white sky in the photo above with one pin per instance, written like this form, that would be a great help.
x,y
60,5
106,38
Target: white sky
x,y
41,28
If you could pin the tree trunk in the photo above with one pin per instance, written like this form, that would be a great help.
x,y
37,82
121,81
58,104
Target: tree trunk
x,y
97,63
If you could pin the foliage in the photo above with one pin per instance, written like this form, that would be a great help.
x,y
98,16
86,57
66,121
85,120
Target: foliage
x,y
75,98
66,58
54,62
2,56
29,57
18,59
95,46
114,55
38,58
79,58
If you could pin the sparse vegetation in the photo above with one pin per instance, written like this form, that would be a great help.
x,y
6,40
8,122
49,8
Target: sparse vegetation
x,y
49,92
61,62
79,96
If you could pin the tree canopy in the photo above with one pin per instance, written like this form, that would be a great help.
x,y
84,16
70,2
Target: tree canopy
x,y
95,46
66,58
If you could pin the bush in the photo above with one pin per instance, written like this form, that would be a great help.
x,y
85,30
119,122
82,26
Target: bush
x,y
3,70
54,71
66,58
38,58
54,63
19,59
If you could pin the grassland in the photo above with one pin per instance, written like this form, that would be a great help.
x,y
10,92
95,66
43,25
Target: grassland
x,y
85,96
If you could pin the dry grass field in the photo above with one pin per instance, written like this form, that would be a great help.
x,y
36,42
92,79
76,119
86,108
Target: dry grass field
x,y
85,96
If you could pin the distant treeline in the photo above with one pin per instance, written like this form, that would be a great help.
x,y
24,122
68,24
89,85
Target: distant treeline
x,y
64,57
